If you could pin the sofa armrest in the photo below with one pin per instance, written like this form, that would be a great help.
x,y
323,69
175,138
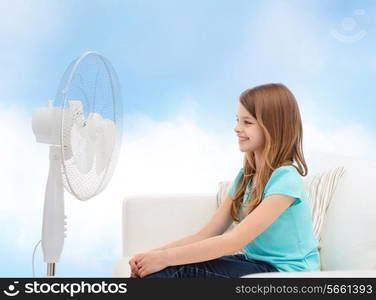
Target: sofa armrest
x,y
152,221
122,267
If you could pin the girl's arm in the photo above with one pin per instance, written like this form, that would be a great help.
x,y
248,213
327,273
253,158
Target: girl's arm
x,y
183,241
226,244
203,250
217,225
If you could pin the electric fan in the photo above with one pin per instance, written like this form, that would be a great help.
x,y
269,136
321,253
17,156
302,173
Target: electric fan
x,y
83,126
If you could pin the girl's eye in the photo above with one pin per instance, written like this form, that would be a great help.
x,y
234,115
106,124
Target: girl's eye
x,y
244,122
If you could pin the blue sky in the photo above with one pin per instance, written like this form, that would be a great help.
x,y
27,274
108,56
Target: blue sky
x,y
181,65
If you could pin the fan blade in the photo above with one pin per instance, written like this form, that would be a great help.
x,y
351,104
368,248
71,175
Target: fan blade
x,y
84,148
73,115
105,145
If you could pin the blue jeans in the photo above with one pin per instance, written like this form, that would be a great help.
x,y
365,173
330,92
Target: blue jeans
x,y
229,266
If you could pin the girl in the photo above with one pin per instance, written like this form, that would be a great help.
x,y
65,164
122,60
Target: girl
x,y
267,201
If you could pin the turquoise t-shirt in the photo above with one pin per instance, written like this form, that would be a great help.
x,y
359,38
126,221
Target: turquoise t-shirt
x,y
288,243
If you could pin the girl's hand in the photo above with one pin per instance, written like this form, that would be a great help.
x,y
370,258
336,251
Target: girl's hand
x,y
143,264
134,269
133,263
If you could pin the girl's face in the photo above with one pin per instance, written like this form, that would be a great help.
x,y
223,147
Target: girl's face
x,y
250,134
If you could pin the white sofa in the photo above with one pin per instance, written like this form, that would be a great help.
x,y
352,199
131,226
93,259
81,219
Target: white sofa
x,y
343,209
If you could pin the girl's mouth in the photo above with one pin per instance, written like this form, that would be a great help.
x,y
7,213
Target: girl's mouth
x,y
243,140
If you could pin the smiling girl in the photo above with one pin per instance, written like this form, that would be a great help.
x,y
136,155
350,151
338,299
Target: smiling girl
x,y
267,202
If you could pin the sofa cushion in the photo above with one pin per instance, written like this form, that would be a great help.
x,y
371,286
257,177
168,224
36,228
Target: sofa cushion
x,y
320,189
347,237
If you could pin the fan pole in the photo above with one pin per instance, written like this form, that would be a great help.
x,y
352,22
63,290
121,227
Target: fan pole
x,y
50,269
53,213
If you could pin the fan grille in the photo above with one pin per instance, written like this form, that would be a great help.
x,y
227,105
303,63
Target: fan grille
x,y
92,80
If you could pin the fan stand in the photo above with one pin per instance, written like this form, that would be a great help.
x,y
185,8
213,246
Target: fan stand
x,y
50,269
53,126
53,213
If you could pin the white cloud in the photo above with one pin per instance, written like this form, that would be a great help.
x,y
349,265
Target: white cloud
x,y
352,140
323,135
157,157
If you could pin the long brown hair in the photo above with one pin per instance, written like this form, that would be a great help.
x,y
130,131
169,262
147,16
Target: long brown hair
x,y
276,111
